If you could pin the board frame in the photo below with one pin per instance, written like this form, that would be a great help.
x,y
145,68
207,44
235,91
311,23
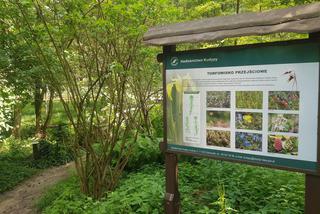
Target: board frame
x,y
169,50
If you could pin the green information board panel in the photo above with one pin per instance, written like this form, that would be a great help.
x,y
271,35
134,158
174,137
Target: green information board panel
x,y
253,104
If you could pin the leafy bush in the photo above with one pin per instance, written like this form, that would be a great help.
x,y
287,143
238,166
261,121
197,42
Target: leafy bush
x,y
14,163
206,187
16,149
13,171
146,150
52,154
140,192
27,131
156,118
61,133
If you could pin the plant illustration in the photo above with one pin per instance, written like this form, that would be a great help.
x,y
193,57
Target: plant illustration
x,y
196,128
187,124
190,104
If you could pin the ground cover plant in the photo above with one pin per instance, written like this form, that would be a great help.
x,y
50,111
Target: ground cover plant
x,y
249,141
249,99
283,122
218,138
218,119
249,120
14,171
218,99
15,163
206,186
284,100
283,144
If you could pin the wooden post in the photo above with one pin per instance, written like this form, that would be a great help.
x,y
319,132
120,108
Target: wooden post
x,y
312,195
35,150
172,196
312,182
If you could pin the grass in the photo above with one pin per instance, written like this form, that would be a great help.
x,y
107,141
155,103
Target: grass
x,y
206,187
28,116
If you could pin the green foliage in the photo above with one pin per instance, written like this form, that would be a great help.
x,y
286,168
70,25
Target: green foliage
x,y
140,192
7,100
52,154
14,148
145,150
14,163
156,118
206,187
13,171
59,118
17,163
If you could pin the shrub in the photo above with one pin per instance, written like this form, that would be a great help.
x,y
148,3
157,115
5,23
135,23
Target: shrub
x,y
14,163
52,154
60,133
15,148
206,187
145,151
140,192
156,118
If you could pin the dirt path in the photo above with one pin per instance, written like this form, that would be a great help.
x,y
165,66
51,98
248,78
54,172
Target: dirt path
x,y
21,200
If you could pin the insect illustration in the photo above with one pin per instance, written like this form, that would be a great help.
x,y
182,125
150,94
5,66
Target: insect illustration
x,y
292,78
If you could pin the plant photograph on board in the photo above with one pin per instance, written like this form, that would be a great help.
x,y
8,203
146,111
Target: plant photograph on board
x,y
218,99
283,144
218,119
284,100
249,141
218,138
283,122
249,120
249,99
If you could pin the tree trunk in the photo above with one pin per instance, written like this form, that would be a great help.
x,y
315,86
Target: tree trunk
x,y
38,100
16,131
49,112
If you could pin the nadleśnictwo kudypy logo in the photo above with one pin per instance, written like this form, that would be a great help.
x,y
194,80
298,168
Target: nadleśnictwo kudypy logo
x,y
174,61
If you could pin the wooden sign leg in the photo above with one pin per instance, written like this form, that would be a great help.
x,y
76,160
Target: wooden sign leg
x,y
172,196
312,197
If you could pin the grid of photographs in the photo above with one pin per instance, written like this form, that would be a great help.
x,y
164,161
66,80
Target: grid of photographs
x,y
282,118
218,120
283,127
249,117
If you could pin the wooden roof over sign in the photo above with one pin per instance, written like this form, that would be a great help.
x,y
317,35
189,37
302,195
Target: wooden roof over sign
x,y
299,19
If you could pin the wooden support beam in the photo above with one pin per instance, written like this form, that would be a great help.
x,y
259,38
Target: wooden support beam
x,y
172,196
312,195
